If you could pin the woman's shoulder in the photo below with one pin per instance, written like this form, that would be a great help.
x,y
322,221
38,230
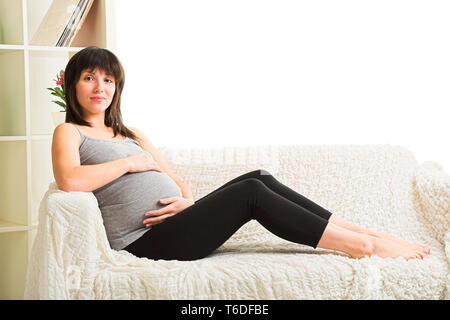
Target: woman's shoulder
x,y
65,126
137,132
143,141
66,130
134,129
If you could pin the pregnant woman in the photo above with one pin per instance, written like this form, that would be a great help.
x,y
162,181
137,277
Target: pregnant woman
x,y
148,211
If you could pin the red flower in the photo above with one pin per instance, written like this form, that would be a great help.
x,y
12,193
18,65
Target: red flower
x,y
59,91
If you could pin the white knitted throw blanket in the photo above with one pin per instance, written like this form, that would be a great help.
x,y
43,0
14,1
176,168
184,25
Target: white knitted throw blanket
x,y
377,186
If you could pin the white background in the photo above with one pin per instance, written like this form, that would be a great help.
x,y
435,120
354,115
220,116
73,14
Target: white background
x,y
241,72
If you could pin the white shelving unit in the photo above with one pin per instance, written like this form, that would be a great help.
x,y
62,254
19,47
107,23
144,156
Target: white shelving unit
x,y
26,126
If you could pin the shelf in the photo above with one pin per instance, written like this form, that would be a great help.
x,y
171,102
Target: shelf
x,y
26,124
11,47
12,93
41,173
14,253
13,186
24,138
42,137
6,226
13,138
92,32
54,49
11,26
43,68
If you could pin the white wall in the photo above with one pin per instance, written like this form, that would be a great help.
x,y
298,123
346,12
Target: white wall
x,y
241,72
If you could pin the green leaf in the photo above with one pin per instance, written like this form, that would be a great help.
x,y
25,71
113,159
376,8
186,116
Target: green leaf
x,y
59,91
60,104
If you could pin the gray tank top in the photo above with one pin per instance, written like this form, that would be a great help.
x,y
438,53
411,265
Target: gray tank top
x,y
124,201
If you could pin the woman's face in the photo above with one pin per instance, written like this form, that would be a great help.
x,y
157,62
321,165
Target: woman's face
x,y
95,91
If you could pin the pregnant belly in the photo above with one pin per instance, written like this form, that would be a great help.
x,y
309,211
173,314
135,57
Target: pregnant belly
x,y
123,202
147,187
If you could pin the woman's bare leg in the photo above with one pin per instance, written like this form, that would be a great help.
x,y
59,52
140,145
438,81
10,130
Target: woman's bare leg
x,y
350,226
358,245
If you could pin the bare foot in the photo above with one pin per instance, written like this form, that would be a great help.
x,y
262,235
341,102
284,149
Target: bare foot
x,y
385,248
350,226
415,246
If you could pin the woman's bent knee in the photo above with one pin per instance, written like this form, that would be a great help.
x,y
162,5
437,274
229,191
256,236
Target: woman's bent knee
x,y
264,172
247,188
252,183
251,186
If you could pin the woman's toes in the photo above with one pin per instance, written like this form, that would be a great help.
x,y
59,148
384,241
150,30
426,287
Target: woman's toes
x,y
424,249
412,256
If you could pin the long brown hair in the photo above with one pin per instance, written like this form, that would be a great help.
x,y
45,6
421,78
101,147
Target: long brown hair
x,y
91,58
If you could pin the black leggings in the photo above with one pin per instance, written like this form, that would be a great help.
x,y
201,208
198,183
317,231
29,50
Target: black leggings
x,y
198,230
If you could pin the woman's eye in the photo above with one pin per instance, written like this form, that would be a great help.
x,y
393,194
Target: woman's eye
x,y
90,77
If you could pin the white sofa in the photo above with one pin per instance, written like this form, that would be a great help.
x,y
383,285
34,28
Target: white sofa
x,y
377,186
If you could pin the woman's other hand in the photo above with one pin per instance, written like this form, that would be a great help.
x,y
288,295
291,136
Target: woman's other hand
x,y
141,162
173,206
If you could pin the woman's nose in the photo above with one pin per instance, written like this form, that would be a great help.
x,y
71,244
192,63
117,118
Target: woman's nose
x,y
99,86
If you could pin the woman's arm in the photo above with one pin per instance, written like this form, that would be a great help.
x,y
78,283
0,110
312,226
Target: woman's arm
x,y
163,163
69,174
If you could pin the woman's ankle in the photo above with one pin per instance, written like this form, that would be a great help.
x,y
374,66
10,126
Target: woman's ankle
x,y
350,242
358,247
364,246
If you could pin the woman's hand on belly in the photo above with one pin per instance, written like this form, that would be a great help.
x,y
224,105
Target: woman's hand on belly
x,y
173,206
140,162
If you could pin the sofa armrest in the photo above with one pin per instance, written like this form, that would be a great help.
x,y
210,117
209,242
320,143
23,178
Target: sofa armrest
x,y
69,237
432,197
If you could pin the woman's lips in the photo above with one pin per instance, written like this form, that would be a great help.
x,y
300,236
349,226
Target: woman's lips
x,y
98,99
